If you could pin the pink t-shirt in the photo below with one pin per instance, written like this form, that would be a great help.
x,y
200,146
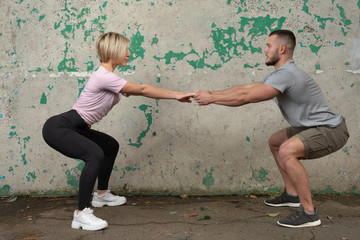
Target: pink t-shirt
x,y
100,94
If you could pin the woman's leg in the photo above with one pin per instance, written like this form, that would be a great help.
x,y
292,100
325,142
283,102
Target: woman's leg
x,y
110,149
74,145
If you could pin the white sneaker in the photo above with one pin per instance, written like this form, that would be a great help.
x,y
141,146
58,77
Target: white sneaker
x,y
86,220
107,199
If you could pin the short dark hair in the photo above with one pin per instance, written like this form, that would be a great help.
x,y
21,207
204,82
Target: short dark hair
x,y
286,35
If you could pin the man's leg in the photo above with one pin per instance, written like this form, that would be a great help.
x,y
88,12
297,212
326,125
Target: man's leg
x,y
275,141
289,154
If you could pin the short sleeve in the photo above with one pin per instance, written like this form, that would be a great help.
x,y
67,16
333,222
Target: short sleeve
x,y
281,79
112,82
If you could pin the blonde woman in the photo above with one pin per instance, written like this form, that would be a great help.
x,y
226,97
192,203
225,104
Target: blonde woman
x,y
70,133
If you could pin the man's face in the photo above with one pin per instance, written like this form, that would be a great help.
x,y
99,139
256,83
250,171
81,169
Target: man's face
x,y
272,51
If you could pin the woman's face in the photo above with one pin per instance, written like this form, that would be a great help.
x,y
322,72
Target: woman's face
x,y
125,60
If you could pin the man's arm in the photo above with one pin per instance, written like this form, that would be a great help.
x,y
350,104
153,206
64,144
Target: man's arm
x,y
237,87
237,95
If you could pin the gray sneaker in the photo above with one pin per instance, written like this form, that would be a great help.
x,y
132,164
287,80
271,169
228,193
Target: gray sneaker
x,y
300,219
285,200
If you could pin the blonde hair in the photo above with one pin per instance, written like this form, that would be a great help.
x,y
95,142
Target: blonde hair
x,y
111,46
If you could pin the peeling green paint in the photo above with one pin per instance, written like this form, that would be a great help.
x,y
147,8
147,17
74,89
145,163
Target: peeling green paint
x,y
259,175
273,190
346,21
337,44
226,44
136,50
209,180
73,175
41,17
315,49
90,66
261,25
305,7
31,176
155,40
148,115
81,84
129,169
323,21
12,133
23,159
328,190
177,56
19,21
50,69
197,166
72,19
5,190
43,99
13,52
67,64
150,163
346,150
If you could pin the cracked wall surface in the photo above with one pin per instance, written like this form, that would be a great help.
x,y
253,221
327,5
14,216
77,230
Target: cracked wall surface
x,y
167,147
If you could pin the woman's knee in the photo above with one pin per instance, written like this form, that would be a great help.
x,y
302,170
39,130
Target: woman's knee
x,y
112,147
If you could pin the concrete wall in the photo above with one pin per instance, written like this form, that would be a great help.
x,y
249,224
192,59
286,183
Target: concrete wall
x,y
47,54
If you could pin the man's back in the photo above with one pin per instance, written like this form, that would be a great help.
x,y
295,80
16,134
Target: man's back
x,y
301,100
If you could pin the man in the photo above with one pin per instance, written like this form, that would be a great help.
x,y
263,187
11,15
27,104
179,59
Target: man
x,y
315,131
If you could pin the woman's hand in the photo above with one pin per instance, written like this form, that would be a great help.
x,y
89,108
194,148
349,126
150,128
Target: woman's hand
x,y
185,97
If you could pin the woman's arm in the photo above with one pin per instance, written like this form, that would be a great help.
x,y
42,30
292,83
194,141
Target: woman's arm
x,y
145,90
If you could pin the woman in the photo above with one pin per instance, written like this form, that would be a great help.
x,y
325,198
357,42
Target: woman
x,y
70,133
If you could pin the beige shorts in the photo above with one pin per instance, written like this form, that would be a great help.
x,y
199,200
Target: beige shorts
x,y
321,140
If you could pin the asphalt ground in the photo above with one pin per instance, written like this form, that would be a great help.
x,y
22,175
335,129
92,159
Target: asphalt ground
x,y
173,217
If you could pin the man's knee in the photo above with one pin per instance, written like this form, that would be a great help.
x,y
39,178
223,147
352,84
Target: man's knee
x,y
292,148
277,139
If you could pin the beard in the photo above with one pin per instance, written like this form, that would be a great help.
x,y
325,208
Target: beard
x,y
272,61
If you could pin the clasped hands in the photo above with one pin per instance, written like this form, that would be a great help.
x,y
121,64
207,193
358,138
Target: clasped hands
x,y
202,97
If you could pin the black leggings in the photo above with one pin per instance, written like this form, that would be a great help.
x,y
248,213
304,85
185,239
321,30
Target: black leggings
x,y
69,134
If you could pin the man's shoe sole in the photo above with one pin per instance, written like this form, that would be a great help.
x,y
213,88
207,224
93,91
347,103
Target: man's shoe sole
x,y
283,204
309,224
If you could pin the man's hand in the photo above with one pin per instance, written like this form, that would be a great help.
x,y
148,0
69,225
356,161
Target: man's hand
x,y
203,97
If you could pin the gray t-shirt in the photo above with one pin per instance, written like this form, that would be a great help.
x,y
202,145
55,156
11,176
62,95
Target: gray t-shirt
x,y
301,101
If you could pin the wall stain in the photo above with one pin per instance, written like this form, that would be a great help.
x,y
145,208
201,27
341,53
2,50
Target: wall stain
x,y
259,175
209,180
